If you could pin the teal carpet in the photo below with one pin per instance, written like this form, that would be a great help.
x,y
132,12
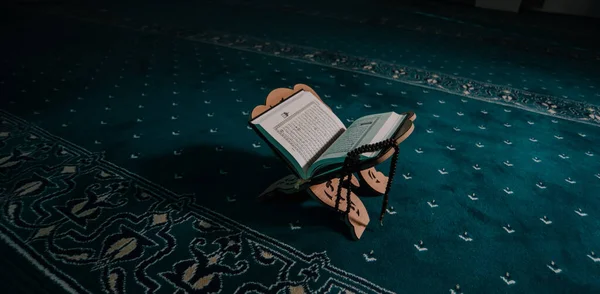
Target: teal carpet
x,y
126,164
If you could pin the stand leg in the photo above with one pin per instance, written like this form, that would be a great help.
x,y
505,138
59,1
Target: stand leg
x,y
357,219
287,185
374,179
326,193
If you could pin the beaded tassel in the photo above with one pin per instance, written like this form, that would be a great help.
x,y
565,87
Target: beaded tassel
x,y
392,173
352,158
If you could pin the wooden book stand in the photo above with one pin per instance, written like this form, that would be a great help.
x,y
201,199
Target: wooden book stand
x,y
325,189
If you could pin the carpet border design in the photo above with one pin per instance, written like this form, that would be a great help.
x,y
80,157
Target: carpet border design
x,y
347,279
514,41
10,241
555,107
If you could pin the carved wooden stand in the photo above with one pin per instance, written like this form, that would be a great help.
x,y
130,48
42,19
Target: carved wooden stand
x,y
326,190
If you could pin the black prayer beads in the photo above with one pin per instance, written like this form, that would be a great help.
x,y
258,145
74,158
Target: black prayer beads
x,y
352,158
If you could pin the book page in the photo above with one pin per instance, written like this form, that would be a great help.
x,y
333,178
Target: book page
x,y
366,130
303,125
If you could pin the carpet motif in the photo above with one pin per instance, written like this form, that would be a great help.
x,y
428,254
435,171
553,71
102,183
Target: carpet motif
x,y
76,214
499,94
475,32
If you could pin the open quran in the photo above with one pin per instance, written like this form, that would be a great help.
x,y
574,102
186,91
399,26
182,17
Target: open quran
x,y
313,140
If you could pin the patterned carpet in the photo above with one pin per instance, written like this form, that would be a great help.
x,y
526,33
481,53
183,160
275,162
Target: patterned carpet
x,y
126,164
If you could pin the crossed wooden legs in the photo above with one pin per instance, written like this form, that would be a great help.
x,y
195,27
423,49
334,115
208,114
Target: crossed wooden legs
x,y
326,193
